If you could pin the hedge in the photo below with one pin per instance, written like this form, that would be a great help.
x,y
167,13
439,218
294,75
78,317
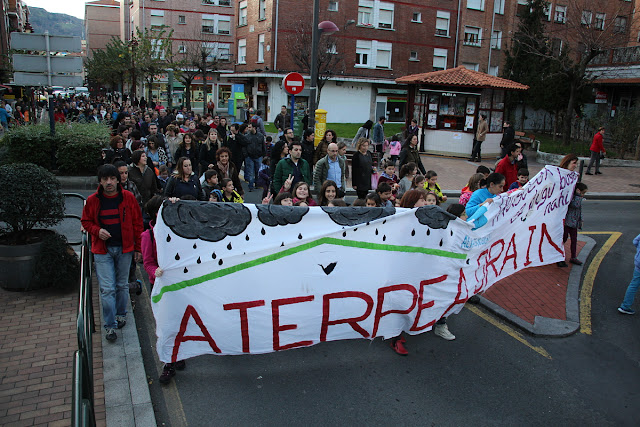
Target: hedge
x,y
77,146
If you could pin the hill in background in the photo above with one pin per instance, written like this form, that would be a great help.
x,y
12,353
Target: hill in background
x,y
58,24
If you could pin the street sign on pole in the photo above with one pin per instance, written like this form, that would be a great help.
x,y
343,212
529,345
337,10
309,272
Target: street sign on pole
x,y
38,64
30,41
42,79
293,83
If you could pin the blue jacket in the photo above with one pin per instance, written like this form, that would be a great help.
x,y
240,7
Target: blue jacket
x,y
636,260
473,208
4,117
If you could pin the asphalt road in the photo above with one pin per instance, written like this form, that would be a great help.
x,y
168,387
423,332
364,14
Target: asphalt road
x,y
490,375
484,377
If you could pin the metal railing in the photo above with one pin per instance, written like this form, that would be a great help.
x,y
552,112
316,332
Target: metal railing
x,y
82,410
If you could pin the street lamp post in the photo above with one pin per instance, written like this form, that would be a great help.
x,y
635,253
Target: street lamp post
x,y
326,27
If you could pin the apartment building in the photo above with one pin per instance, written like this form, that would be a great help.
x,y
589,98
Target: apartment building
x,y
378,41
101,23
198,26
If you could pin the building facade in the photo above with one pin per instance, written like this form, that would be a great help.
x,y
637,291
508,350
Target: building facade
x,y
101,23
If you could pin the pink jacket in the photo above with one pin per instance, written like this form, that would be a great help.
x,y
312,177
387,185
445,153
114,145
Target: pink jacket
x,y
149,254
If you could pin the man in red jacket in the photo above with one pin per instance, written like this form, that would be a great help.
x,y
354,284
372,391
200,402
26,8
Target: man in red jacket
x,y
597,151
113,219
508,166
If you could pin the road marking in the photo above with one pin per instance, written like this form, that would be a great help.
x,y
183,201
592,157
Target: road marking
x,y
590,277
508,330
177,416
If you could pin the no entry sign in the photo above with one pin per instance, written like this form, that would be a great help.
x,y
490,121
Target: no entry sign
x,y
293,83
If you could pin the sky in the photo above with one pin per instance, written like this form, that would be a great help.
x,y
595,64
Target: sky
x,y
70,7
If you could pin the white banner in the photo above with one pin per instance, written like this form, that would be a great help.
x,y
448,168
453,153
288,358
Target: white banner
x,y
262,278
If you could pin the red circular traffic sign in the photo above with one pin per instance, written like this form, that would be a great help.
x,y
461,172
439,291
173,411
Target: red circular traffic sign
x,y
293,83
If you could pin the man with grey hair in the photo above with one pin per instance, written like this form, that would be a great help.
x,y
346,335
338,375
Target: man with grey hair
x,y
330,167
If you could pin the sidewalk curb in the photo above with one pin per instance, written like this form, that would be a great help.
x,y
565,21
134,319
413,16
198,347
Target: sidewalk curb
x,y
126,391
544,326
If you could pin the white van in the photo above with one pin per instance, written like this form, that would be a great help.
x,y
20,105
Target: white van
x,y
82,90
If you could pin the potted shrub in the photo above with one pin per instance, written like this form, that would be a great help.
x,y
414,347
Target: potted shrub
x,y
30,197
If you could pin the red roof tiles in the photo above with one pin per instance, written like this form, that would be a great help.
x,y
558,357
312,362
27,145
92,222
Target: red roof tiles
x,y
461,76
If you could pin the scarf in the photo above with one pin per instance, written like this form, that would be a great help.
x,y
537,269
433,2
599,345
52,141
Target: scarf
x,y
224,170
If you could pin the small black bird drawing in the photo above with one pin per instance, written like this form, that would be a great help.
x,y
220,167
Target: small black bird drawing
x,y
329,268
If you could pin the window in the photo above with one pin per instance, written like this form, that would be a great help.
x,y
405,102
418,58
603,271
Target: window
x,y
363,52
498,7
496,40
182,49
522,7
217,2
208,24
375,14
439,59
182,19
224,24
600,17
216,24
561,14
417,17
442,23
385,15
157,49
493,70
216,51
332,49
620,24
547,11
472,36
475,4
373,54
587,16
242,51
470,66
261,48
333,6
262,10
413,56
242,14
157,19
556,47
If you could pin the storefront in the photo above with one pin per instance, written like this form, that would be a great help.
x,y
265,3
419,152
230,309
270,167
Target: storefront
x,y
219,91
447,105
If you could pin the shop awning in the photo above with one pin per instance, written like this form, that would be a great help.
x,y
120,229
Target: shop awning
x,y
385,91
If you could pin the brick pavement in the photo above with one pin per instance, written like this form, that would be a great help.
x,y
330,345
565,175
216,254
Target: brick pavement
x,y
37,342
537,291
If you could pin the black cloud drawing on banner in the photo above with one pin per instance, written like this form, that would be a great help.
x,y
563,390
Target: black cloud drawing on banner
x,y
274,215
354,215
434,216
204,220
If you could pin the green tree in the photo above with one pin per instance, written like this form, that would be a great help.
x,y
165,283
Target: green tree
x,y
109,67
152,54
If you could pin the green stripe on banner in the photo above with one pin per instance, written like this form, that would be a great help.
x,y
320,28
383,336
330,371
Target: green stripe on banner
x,y
302,248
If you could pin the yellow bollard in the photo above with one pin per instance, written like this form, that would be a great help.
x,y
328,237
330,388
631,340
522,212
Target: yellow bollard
x,y
321,126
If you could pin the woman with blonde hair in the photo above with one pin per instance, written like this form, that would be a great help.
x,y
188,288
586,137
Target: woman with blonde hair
x,y
208,150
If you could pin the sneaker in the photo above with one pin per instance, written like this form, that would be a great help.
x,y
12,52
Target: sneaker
x,y
626,311
598,173
588,173
121,320
443,332
398,347
167,373
561,264
575,261
475,299
180,365
111,334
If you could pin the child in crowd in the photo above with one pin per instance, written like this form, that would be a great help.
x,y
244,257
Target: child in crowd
x,y
264,175
229,193
373,200
283,199
301,193
432,185
630,295
342,152
431,199
163,177
389,175
268,146
407,172
359,202
215,195
573,221
338,203
483,170
150,263
328,192
384,192
458,210
395,146
523,178
476,182
418,182
413,199
210,181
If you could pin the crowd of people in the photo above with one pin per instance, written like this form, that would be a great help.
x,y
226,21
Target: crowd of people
x,y
158,154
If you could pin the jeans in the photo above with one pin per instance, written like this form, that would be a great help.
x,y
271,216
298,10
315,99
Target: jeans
x,y
595,158
251,168
630,295
112,270
476,151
